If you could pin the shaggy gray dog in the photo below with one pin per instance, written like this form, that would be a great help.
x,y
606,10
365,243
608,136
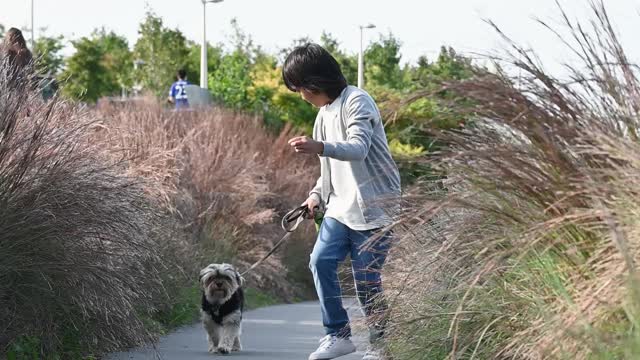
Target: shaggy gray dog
x,y
222,306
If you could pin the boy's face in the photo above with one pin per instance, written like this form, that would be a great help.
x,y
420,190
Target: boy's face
x,y
315,99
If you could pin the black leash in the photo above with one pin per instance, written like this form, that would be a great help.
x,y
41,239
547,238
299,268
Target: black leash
x,y
289,223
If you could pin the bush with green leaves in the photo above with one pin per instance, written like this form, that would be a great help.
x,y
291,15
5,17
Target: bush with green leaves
x,y
101,66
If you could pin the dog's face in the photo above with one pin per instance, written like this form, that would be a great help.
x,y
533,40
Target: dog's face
x,y
219,282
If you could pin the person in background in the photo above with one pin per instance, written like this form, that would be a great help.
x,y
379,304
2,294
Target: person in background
x,y
178,93
14,47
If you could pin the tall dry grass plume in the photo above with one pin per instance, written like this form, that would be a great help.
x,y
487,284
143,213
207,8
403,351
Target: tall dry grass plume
x,y
530,251
77,235
222,175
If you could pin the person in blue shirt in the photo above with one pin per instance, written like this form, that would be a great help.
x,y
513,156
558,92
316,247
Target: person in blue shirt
x,y
178,93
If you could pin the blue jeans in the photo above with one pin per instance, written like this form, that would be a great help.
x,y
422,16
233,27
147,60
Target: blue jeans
x,y
335,241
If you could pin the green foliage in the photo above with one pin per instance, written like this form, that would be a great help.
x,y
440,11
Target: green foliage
x,y
100,66
292,109
382,63
448,67
183,311
269,95
192,64
48,54
413,103
230,82
408,151
118,59
412,121
410,160
255,299
249,79
25,348
164,51
32,348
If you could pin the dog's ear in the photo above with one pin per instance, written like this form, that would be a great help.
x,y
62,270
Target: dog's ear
x,y
203,272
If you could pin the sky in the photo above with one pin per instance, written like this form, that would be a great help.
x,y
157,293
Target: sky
x,y
422,26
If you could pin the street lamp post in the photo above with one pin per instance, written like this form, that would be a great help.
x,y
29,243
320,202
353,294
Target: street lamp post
x,y
33,31
361,57
203,50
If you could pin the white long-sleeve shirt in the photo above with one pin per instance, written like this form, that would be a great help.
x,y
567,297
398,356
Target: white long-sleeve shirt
x,y
359,182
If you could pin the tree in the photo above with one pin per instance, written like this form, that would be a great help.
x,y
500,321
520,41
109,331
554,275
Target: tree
x,y
100,66
48,54
449,66
163,52
241,41
231,80
192,66
382,63
118,59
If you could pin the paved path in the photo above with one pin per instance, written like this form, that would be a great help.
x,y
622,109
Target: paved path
x,y
283,332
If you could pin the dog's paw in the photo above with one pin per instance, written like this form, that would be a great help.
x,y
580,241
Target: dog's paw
x,y
212,348
223,350
237,346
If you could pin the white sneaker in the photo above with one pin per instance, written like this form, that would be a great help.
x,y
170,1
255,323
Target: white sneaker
x,y
327,337
332,347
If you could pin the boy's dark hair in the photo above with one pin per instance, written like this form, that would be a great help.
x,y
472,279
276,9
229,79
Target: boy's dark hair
x,y
312,67
182,74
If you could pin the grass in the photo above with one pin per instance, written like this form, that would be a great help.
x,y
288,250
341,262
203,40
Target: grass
x,y
31,348
184,310
211,174
527,250
24,348
256,299
78,237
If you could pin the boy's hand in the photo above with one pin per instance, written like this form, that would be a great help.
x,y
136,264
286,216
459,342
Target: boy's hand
x,y
306,145
312,204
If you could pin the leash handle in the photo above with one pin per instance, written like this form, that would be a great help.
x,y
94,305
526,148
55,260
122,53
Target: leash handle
x,y
295,217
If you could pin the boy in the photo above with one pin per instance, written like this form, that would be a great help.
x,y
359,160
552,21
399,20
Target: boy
x,y
358,178
178,93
